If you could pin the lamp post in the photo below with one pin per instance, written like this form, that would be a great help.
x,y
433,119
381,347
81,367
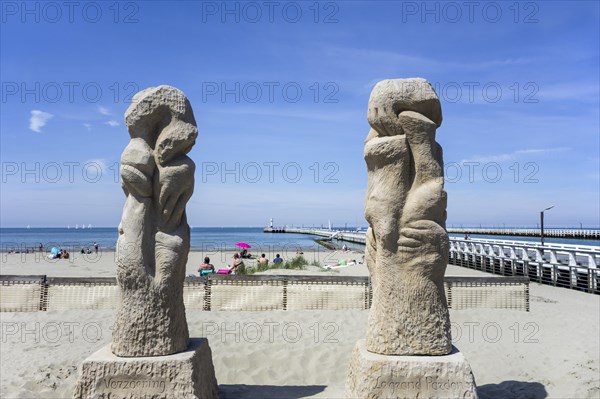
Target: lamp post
x,y
542,223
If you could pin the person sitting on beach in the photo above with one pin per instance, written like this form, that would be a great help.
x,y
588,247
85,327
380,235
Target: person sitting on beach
x,y
263,260
244,254
65,255
236,263
277,259
206,266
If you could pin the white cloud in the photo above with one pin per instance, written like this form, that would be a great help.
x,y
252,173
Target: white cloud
x,y
98,164
88,126
112,123
104,111
38,120
569,91
514,155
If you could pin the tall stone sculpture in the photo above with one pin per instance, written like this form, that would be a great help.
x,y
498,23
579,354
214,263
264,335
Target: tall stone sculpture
x,y
406,250
151,355
407,244
154,237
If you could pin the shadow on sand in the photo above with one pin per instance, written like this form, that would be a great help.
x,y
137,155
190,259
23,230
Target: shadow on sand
x,y
268,391
512,390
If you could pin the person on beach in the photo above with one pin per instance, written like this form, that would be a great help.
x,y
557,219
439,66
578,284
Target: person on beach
x,y
263,261
41,247
277,259
236,263
206,266
96,246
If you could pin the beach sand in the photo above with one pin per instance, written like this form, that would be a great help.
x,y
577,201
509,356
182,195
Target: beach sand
x,y
552,351
103,263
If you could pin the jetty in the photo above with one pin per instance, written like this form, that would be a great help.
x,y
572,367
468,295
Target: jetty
x,y
341,235
584,234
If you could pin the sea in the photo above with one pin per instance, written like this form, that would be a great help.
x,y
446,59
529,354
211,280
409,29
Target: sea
x,y
202,238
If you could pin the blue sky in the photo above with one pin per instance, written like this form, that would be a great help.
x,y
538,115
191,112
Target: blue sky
x,y
280,95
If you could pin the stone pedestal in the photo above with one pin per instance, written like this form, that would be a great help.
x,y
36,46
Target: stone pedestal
x,y
188,374
434,377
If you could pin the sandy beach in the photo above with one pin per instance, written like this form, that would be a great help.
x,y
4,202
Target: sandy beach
x,y
102,264
550,352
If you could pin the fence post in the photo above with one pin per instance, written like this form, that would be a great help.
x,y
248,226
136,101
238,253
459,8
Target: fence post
x,y
43,294
285,296
369,292
449,297
527,297
207,286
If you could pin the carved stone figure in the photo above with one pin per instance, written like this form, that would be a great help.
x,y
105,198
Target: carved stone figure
x,y
407,244
154,237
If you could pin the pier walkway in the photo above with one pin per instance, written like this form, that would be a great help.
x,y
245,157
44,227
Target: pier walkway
x,y
564,265
586,234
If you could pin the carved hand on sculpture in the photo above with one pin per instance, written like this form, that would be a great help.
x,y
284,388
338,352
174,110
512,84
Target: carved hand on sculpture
x,y
176,183
407,244
422,225
409,161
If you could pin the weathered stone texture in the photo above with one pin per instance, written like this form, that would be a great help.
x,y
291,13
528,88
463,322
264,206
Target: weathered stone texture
x,y
188,374
408,377
407,244
154,237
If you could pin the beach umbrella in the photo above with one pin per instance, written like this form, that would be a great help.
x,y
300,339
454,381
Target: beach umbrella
x,y
243,245
54,251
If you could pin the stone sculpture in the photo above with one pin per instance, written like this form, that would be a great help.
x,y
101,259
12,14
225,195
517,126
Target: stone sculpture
x,y
154,237
407,244
408,349
151,355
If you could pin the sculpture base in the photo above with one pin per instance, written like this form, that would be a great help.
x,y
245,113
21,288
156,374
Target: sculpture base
x,y
371,375
188,374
